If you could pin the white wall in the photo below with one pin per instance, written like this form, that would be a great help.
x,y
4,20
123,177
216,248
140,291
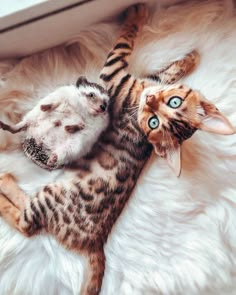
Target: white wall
x,y
11,6
20,40
20,36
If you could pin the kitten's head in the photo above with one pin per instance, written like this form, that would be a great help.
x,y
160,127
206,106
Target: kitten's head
x,y
168,115
94,95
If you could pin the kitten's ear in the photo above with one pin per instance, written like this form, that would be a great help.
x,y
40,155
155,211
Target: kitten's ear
x,y
213,120
81,81
173,157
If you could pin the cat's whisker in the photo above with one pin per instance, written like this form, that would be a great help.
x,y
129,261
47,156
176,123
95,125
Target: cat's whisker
x,y
131,108
133,114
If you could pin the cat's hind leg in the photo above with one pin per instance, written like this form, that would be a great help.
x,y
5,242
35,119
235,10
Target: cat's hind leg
x,y
17,208
42,211
17,218
9,212
10,188
50,209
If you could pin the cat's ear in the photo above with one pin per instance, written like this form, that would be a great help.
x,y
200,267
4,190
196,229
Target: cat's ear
x,y
213,120
173,157
81,81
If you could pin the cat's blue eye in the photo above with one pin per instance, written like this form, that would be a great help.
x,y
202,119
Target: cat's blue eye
x,y
175,102
153,122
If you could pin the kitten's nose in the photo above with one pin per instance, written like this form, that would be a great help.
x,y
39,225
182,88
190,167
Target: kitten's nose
x,y
150,99
103,106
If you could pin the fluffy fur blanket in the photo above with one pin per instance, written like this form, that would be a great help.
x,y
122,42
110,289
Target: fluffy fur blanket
x,y
175,236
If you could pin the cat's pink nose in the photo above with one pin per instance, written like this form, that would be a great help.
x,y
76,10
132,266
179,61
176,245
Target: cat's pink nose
x,y
150,99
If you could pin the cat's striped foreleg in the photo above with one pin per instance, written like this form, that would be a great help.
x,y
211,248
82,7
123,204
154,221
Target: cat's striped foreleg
x,y
118,59
176,70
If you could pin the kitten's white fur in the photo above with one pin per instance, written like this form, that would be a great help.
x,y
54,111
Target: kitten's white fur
x,y
176,236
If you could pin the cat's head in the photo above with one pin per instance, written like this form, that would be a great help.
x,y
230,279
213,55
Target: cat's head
x,y
94,95
168,115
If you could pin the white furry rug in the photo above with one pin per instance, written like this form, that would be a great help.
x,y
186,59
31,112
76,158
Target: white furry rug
x,y
176,236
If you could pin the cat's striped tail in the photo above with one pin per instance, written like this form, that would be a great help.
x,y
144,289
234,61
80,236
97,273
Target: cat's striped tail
x,y
94,273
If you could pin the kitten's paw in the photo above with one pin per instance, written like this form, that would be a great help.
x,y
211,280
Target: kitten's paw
x,y
137,14
4,205
6,177
6,180
52,160
195,58
190,62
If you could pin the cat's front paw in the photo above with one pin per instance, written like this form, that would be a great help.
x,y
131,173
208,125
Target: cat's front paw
x,y
137,14
194,58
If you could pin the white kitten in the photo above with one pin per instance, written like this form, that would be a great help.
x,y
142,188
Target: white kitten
x,y
64,125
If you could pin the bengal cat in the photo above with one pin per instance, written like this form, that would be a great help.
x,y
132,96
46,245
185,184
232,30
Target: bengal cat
x,y
82,206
